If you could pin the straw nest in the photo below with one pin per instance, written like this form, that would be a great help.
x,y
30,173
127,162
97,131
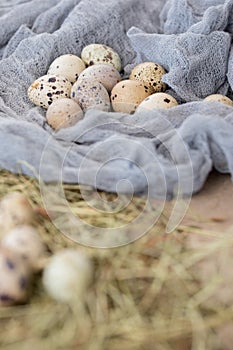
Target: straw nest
x,y
162,292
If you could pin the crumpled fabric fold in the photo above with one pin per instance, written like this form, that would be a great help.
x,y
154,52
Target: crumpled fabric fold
x,y
156,153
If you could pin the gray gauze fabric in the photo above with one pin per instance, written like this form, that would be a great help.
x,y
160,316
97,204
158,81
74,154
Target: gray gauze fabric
x,y
160,153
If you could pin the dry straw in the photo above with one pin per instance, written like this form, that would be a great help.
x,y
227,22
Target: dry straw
x,y
147,295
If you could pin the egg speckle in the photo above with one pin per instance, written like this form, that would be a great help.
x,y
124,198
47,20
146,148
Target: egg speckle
x,y
90,94
99,54
15,276
105,74
127,95
26,242
67,275
68,66
150,74
219,98
157,100
63,113
47,89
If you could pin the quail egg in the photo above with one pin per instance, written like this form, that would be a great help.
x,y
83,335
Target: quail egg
x,y
150,74
105,74
98,54
15,276
26,242
15,210
158,100
47,89
219,98
90,94
68,66
63,113
127,95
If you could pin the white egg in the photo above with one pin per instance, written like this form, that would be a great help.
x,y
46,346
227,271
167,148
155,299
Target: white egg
x,y
68,275
69,66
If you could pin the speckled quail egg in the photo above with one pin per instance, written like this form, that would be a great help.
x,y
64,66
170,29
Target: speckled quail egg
x,y
150,74
127,95
15,210
15,276
67,275
105,74
157,100
26,241
47,89
90,94
63,113
219,98
98,54
68,66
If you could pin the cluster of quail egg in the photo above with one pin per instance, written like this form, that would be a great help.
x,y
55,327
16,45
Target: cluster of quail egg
x,y
73,85
66,275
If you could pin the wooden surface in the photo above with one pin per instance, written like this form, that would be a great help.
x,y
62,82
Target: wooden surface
x,y
212,208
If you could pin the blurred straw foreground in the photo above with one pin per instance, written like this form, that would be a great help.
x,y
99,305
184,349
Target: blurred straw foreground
x,y
162,292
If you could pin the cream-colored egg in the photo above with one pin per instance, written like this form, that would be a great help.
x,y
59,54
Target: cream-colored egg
x,y
219,98
68,275
157,100
15,210
68,66
98,54
150,74
63,113
105,74
127,95
15,277
47,89
26,241
90,94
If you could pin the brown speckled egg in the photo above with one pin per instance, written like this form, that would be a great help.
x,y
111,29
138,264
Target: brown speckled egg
x,y
15,210
63,113
127,95
158,100
68,66
15,276
219,98
150,74
47,89
98,54
105,74
90,94
26,242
